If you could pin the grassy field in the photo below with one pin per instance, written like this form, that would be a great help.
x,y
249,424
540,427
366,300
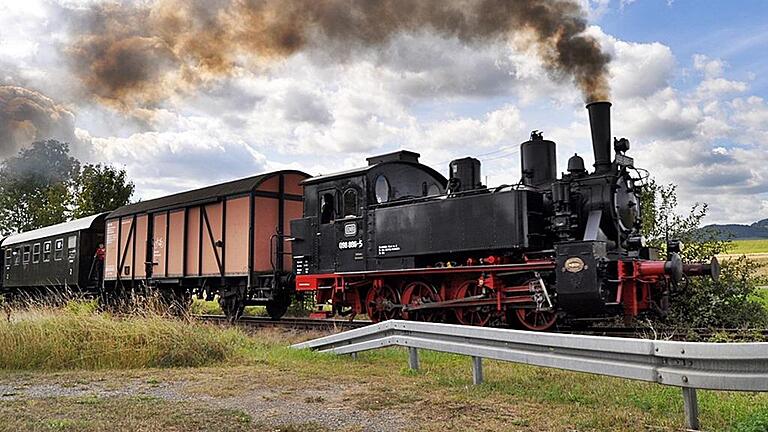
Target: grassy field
x,y
748,247
756,250
65,370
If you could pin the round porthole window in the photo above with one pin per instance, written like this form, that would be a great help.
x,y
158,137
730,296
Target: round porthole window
x,y
381,187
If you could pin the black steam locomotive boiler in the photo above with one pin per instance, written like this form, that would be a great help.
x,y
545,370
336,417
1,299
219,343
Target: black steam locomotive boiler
x,y
395,239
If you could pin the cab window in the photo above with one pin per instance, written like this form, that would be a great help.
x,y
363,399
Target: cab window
x,y
351,206
327,207
16,256
381,188
8,258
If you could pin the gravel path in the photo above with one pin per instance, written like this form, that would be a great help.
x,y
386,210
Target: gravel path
x,y
331,406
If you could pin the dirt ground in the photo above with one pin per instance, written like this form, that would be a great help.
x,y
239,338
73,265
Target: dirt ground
x,y
283,390
258,399
265,406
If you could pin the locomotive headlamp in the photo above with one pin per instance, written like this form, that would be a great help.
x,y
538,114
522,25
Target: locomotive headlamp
x,y
621,145
674,246
636,242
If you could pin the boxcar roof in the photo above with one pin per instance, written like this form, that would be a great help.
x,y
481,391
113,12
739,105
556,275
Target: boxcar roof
x,y
54,230
208,193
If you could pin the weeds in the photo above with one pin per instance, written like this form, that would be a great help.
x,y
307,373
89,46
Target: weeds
x,y
79,337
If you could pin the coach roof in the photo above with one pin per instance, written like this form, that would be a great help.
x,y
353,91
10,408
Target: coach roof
x,y
54,230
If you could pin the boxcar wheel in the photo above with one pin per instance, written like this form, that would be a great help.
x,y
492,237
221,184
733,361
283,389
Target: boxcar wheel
x,y
232,302
277,308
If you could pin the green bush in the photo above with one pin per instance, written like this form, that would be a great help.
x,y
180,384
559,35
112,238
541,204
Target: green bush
x,y
734,300
730,302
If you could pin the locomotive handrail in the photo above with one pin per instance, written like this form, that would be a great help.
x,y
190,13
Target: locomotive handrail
x,y
689,365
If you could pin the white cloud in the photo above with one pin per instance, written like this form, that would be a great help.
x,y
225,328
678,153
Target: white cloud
x,y
712,68
708,134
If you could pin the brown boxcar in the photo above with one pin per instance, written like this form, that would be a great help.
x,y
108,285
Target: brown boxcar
x,y
226,240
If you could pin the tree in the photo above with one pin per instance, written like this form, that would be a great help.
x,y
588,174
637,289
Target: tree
x,y
100,188
35,186
43,185
702,302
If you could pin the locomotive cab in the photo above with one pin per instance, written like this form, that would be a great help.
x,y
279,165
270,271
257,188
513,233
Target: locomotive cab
x,y
333,235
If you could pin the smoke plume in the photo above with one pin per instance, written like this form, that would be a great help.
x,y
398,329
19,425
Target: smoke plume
x,y
139,55
27,115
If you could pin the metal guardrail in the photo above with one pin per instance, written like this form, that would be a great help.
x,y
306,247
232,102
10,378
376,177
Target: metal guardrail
x,y
689,365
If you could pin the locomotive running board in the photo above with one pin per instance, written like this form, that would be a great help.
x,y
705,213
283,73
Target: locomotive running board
x,y
529,266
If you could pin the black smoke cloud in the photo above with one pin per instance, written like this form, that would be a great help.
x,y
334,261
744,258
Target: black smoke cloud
x,y
27,115
137,56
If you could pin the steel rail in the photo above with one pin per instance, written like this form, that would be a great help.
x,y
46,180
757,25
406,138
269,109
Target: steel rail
x,y
688,365
623,332
286,322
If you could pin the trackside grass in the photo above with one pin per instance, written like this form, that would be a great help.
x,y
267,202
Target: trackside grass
x,y
46,339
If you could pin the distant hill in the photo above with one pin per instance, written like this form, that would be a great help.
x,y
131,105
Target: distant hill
x,y
757,230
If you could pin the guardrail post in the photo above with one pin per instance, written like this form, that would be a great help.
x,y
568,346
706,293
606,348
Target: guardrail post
x,y
477,370
413,358
691,406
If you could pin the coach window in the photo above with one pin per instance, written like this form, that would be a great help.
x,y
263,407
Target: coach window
x,y
27,249
58,250
47,251
36,253
351,207
327,208
71,248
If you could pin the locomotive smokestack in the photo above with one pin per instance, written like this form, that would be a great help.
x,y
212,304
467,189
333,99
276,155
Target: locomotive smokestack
x,y
600,124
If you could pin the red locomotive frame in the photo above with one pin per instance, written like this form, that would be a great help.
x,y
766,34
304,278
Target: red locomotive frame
x,y
474,294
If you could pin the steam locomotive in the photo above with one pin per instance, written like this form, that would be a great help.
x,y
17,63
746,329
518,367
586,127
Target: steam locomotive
x,y
393,239
396,239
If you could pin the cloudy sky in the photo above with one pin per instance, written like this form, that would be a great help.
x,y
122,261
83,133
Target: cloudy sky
x,y
689,82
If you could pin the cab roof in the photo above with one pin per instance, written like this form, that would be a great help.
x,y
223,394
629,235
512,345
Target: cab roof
x,y
403,157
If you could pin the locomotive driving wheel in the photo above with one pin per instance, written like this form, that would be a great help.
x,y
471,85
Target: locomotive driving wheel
x,y
536,320
418,294
472,315
382,303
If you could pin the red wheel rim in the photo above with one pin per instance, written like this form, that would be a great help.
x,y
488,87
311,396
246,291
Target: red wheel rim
x,y
416,294
472,315
531,319
381,303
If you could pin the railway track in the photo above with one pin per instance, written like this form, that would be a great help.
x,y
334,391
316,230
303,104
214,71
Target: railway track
x,y
692,335
249,322
695,334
